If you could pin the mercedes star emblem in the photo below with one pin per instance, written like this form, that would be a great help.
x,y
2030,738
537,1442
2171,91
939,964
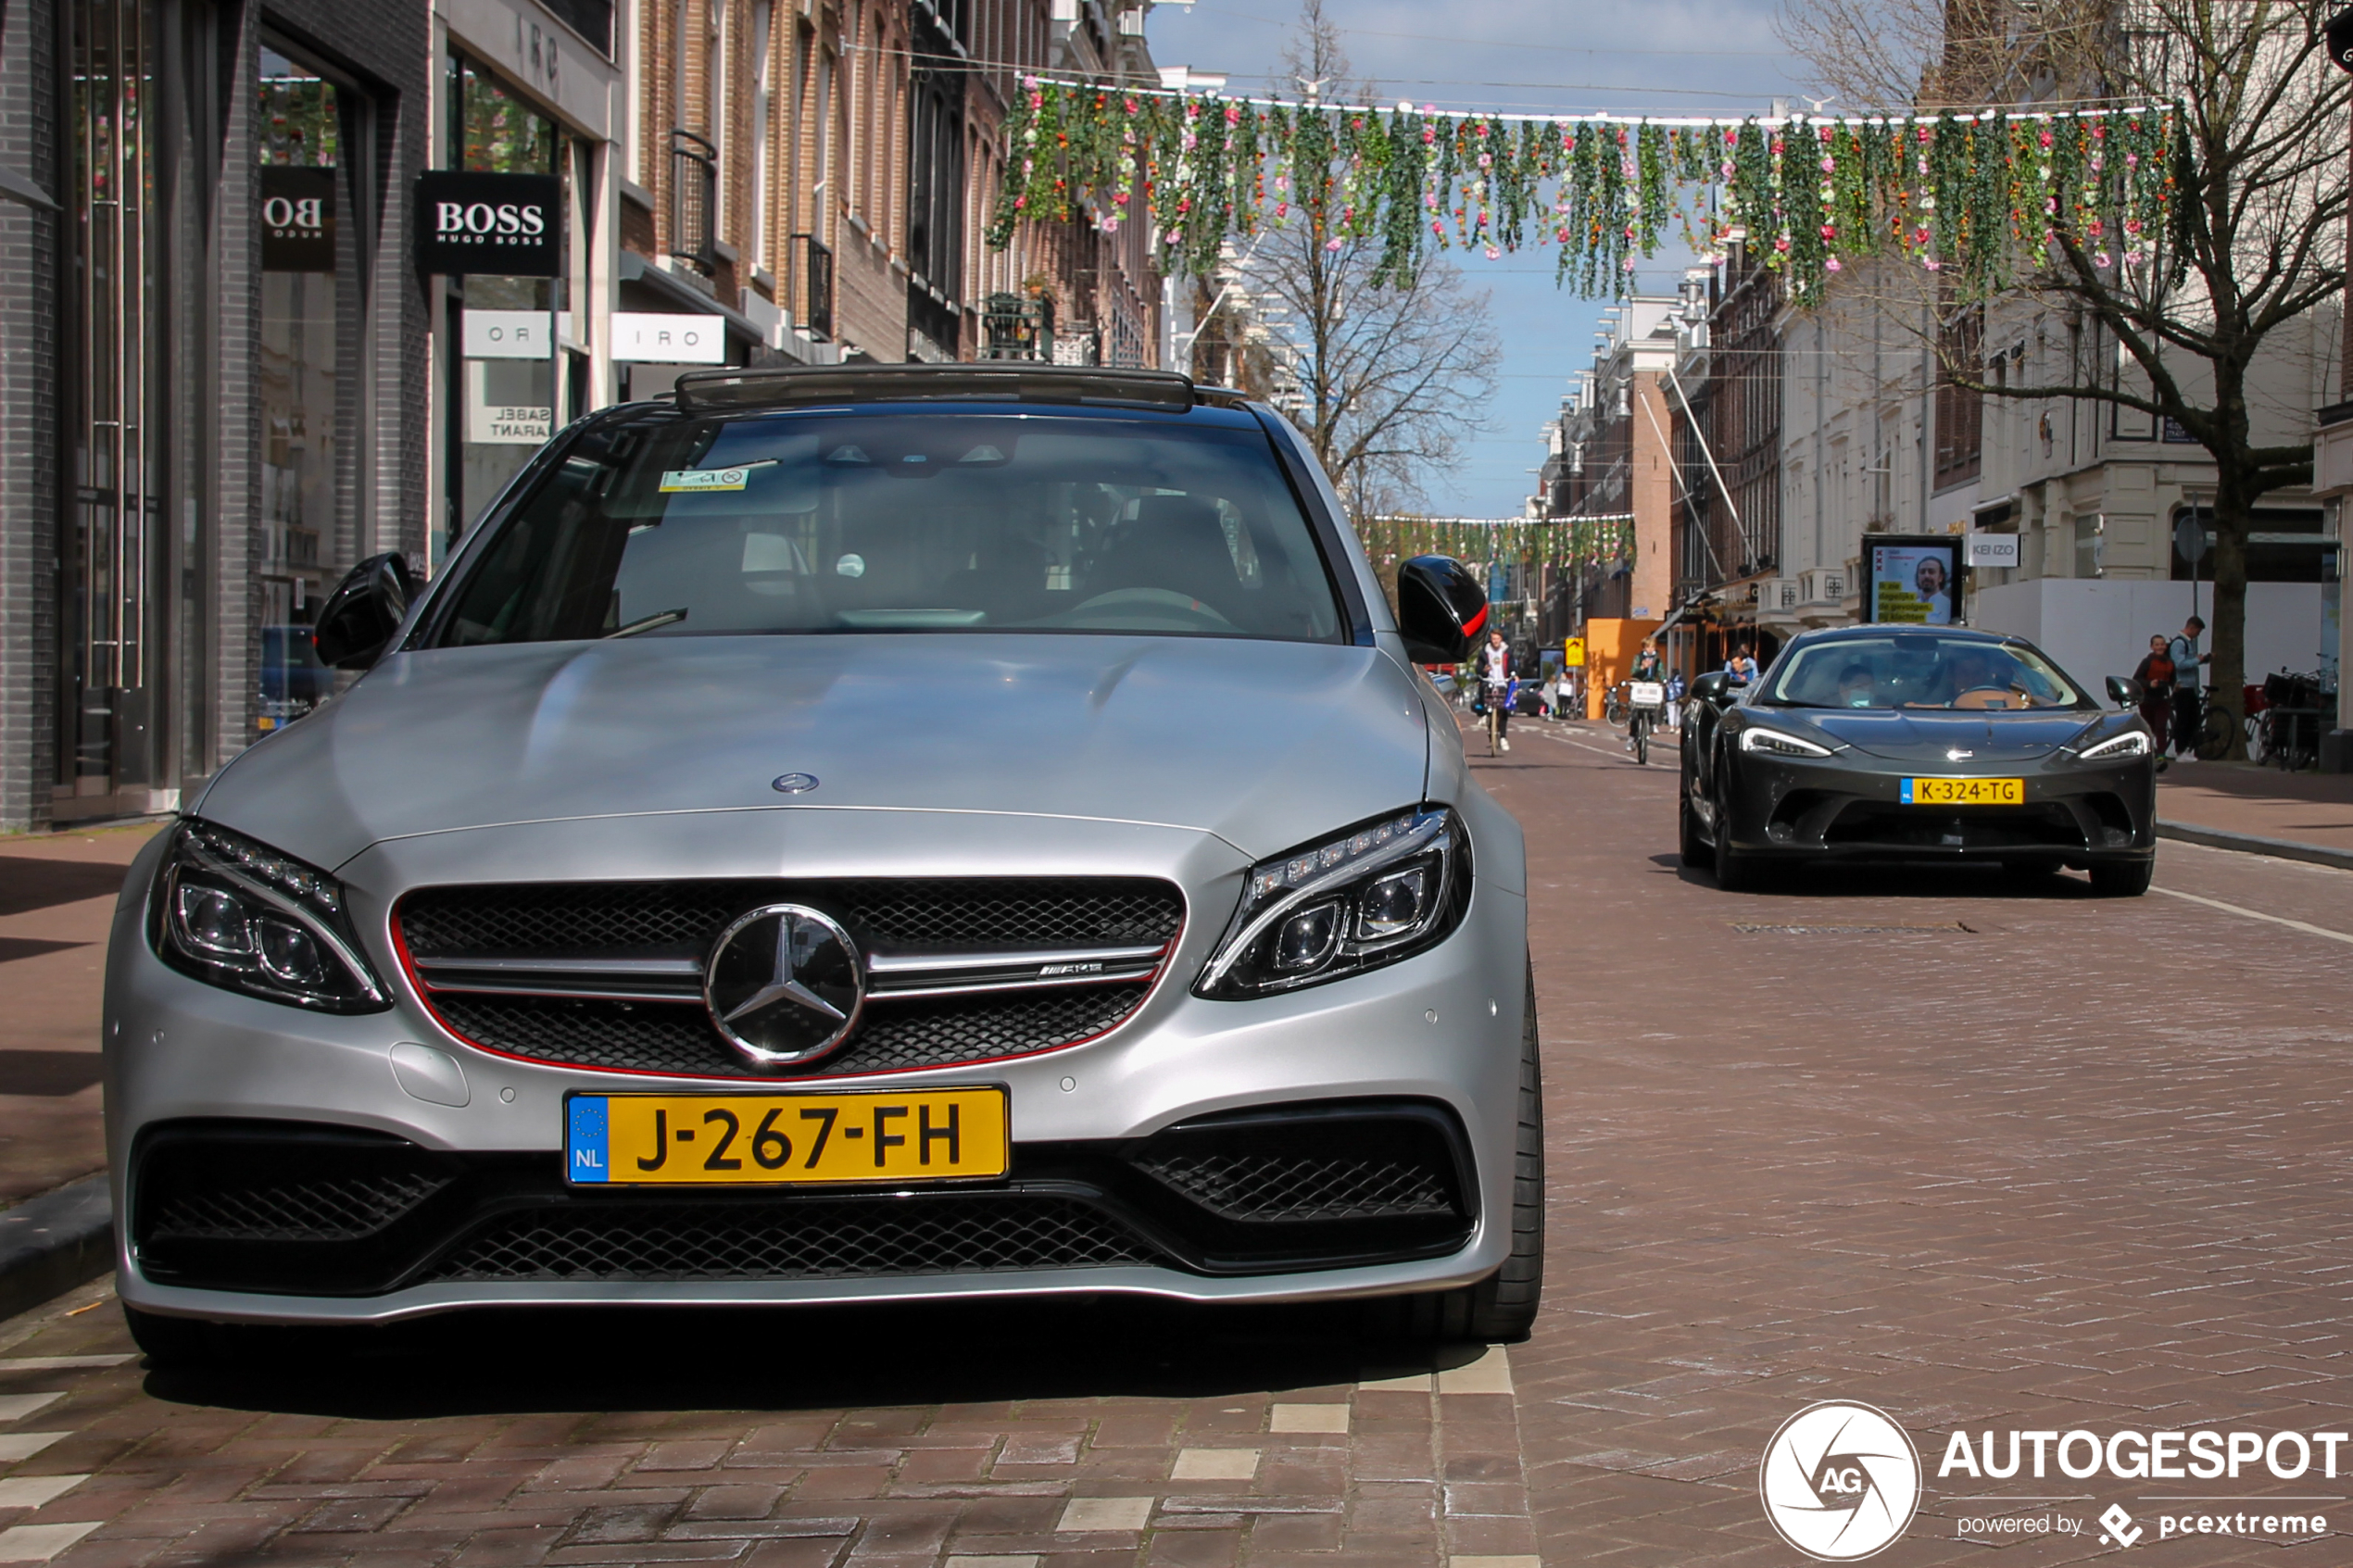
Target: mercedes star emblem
x,y
785,984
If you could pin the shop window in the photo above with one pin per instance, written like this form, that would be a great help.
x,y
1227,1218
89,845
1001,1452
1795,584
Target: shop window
x,y
504,398
306,379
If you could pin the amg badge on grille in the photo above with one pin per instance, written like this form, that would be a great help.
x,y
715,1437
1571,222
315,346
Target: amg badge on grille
x,y
785,984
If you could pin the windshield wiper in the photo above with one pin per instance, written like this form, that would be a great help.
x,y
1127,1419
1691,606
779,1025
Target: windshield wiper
x,y
666,617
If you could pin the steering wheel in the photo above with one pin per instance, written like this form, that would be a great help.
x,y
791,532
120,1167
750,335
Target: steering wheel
x,y
1152,599
1985,696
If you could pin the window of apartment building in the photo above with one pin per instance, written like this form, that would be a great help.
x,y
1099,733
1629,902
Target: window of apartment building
x,y
935,195
1960,409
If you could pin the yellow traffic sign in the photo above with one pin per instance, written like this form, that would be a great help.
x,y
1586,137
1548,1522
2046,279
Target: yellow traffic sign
x,y
1573,653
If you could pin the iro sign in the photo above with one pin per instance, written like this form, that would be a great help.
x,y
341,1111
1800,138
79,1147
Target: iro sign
x,y
505,225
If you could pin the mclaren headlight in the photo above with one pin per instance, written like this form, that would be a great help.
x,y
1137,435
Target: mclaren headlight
x,y
1778,742
1379,892
2115,749
237,914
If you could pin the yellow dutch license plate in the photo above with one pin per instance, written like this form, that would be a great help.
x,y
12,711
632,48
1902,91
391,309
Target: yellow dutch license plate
x,y
795,1139
1963,792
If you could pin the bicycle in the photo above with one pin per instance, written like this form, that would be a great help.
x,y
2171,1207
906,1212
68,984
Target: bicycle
x,y
1643,701
1494,718
1614,706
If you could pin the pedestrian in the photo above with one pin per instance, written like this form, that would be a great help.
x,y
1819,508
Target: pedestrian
x,y
2189,712
1496,679
1675,701
1739,666
2156,674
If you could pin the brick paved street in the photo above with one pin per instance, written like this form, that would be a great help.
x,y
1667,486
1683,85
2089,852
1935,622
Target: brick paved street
x,y
1982,1159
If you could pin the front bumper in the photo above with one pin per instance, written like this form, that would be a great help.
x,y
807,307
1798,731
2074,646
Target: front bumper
x,y
1851,807
1435,1038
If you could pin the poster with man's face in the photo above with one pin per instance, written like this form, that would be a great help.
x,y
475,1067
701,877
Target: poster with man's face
x,y
1912,583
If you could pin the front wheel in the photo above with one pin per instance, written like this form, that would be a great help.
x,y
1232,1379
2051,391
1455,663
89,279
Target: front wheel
x,y
1501,1309
1641,744
1695,854
1734,873
2127,879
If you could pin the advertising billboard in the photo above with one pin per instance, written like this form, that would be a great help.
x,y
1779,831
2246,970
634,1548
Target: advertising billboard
x,y
1912,579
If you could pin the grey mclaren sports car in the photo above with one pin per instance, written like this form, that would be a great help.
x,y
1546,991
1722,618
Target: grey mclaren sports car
x,y
1894,743
840,835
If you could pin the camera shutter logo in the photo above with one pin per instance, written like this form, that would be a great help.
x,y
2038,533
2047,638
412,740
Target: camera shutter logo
x,y
1840,1481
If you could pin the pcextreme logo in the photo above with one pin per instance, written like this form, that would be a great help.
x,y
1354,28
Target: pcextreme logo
x,y
1840,1481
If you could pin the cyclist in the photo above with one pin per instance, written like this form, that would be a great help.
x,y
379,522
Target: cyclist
x,y
1647,667
1495,674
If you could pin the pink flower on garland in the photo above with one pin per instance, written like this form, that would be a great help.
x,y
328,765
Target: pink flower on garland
x,y
1233,115
1781,244
1493,254
2101,259
1832,266
2046,138
1332,243
1829,166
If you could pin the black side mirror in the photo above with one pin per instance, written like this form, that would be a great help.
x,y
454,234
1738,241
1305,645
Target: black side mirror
x,y
1714,686
2125,692
1442,610
366,608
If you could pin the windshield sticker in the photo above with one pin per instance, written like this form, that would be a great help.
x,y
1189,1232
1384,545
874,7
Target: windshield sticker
x,y
677,481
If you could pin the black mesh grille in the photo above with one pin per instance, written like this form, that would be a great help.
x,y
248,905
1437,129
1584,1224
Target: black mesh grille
x,y
316,1209
802,1239
681,919
1285,1187
678,1037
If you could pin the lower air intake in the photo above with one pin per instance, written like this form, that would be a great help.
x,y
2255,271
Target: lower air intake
x,y
846,1238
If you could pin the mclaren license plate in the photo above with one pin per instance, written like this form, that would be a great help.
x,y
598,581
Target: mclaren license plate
x,y
1963,792
780,1140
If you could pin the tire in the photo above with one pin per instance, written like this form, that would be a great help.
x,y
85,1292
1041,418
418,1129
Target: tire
x,y
1734,873
1501,1309
1695,853
1614,710
2217,727
2127,879
1642,746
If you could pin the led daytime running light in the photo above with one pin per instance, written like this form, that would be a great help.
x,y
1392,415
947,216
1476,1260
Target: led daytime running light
x,y
1300,879
1776,743
2132,743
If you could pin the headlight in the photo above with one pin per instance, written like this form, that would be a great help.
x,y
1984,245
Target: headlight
x,y
1378,893
2132,743
1774,743
233,913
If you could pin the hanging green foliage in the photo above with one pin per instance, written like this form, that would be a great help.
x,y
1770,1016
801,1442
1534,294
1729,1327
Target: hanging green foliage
x,y
1982,198
1561,542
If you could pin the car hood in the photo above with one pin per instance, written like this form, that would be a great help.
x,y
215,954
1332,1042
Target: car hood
x,y
1930,737
1266,744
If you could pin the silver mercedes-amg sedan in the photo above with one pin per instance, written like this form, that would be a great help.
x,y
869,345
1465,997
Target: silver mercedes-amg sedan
x,y
840,836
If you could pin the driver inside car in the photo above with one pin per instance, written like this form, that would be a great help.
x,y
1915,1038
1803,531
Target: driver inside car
x,y
1856,689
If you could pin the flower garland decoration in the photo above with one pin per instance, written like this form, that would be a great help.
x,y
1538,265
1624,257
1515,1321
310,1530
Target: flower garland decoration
x,y
1980,197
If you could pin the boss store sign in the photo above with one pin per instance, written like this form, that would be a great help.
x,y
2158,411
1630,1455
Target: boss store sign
x,y
297,219
505,225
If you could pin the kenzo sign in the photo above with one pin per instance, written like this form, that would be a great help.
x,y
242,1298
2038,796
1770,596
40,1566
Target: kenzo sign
x,y
501,224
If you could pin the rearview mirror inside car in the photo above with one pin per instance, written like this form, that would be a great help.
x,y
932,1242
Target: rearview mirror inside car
x,y
2124,691
366,608
1442,610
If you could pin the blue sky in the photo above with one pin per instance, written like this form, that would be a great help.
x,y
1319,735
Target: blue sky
x,y
1567,57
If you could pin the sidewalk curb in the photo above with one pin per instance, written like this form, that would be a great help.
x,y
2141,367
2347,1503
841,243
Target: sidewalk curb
x,y
2250,843
54,1242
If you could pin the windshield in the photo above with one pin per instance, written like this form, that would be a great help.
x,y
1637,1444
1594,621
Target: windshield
x,y
669,526
1918,670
